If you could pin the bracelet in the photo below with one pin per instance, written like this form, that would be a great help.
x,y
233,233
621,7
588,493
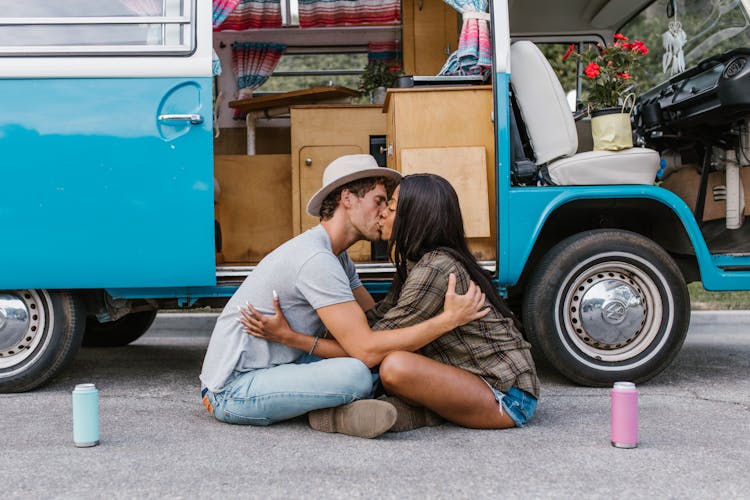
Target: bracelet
x,y
315,343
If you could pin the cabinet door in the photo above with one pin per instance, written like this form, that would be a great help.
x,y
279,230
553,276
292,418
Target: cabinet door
x,y
430,35
312,161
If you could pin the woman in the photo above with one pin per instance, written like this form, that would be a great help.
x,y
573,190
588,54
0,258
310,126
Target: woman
x,y
479,375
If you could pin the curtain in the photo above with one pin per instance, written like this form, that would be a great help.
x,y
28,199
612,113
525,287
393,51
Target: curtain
x,y
253,63
474,54
388,53
251,14
318,13
222,9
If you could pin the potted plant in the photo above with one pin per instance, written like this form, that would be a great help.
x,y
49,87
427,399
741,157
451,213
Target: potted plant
x,y
609,70
377,77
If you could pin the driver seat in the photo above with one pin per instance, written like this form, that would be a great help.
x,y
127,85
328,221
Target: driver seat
x,y
552,132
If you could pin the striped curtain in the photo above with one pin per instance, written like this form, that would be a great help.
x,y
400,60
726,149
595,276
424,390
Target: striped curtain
x,y
253,63
474,54
251,14
318,13
222,9
387,52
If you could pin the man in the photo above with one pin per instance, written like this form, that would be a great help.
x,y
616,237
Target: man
x,y
248,380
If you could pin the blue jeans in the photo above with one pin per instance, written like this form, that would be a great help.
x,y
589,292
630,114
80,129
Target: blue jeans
x,y
268,395
519,404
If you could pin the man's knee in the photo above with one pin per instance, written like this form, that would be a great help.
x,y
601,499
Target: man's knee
x,y
395,369
356,376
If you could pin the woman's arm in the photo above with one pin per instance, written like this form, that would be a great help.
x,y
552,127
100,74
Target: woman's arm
x,y
276,329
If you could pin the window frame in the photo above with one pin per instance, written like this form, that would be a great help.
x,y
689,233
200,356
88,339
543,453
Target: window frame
x,y
188,35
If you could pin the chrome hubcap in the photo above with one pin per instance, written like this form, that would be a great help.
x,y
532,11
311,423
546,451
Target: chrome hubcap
x,y
611,312
608,310
22,319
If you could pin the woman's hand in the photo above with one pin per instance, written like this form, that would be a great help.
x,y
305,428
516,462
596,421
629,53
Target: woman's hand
x,y
462,309
273,328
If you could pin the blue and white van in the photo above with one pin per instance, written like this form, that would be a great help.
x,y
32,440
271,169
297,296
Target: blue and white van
x,y
109,164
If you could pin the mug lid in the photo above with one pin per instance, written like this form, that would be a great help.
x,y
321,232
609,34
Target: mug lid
x,y
625,386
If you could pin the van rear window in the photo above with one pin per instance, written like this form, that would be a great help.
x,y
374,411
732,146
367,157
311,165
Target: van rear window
x,y
97,27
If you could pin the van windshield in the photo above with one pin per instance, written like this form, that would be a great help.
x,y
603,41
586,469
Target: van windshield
x,y
681,33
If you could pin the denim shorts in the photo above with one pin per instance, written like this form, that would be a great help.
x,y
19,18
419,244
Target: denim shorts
x,y
519,404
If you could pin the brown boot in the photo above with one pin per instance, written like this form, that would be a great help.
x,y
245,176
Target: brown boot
x,y
367,418
412,417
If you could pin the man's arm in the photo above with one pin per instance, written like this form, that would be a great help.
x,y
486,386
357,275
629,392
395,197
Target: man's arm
x,y
348,325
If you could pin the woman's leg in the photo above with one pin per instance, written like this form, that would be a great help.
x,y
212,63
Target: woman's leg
x,y
455,394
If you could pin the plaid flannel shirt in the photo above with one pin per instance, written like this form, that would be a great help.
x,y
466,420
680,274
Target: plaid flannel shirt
x,y
491,347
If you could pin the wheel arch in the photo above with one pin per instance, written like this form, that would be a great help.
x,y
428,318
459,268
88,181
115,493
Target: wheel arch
x,y
648,217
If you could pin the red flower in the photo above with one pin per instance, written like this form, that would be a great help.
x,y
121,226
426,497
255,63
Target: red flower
x,y
628,46
640,47
624,75
592,70
620,36
569,51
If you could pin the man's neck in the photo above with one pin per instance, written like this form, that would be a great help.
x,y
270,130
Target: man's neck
x,y
340,233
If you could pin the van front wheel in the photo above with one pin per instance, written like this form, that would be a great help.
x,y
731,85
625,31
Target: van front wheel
x,y
40,333
607,305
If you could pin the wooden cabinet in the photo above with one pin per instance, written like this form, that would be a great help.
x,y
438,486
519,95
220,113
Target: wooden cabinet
x,y
449,131
254,207
430,34
320,134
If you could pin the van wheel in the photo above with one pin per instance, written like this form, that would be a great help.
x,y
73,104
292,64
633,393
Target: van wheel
x,y
607,305
40,333
117,333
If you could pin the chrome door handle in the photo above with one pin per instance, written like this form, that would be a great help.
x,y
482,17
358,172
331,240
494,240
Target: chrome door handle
x,y
192,118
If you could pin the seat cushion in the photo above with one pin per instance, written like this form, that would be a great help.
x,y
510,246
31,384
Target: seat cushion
x,y
629,166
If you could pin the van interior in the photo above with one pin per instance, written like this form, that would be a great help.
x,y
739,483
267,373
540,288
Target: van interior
x,y
272,143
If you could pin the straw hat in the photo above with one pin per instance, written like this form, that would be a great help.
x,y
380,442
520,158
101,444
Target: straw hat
x,y
346,169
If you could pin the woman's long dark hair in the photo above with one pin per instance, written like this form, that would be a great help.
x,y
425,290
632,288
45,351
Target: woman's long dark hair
x,y
428,218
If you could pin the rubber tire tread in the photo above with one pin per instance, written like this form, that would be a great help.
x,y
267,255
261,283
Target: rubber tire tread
x,y
69,316
539,300
120,332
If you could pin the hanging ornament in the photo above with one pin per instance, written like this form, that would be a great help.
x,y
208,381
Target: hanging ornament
x,y
674,39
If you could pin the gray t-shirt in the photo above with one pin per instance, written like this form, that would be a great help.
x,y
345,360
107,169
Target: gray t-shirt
x,y
307,276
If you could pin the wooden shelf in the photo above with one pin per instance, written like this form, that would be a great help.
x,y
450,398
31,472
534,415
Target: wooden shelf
x,y
306,96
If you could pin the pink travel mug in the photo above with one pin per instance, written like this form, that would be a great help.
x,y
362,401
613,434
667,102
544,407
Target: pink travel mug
x,y
624,415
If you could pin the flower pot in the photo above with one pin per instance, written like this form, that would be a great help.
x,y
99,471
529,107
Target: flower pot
x,y
378,95
611,130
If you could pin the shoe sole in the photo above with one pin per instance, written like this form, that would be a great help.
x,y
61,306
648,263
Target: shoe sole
x,y
367,418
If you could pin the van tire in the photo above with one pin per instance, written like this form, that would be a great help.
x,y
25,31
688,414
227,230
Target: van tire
x,y
607,305
48,341
118,333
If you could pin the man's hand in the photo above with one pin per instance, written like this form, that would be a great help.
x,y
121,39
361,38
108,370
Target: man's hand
x,y
462,309
274,328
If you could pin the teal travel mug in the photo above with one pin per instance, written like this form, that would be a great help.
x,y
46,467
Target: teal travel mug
x,y
85,415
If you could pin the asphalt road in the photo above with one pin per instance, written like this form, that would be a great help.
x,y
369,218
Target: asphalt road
x,y
158,441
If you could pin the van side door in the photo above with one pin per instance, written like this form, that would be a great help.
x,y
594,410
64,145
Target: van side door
x,y
106,173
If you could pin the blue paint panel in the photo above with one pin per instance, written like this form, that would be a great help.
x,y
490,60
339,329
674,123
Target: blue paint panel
x,y
96,193
531,207
505,225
